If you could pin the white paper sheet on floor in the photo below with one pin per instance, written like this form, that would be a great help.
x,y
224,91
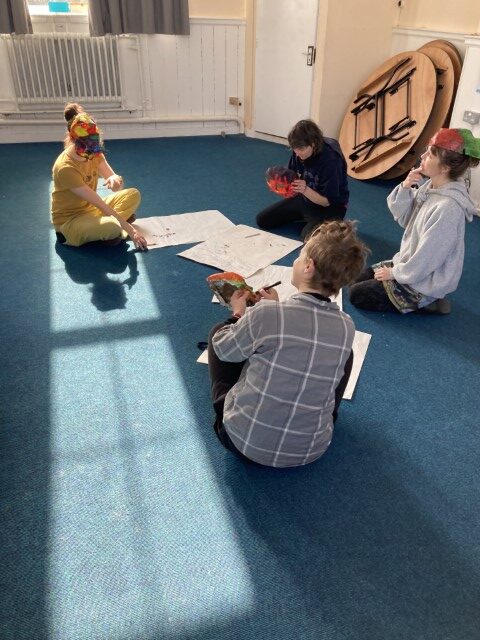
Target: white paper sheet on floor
x,y
361,341
182,228
242,249
360,346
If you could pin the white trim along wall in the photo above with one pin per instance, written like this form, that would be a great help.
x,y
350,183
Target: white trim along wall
x,y
408,39
171,85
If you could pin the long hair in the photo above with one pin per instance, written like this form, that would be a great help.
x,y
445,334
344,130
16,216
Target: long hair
x,y
457,163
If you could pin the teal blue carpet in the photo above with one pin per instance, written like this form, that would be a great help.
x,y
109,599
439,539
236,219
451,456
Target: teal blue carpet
x,y
122,518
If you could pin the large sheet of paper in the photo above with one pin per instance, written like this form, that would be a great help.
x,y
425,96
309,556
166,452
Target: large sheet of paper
x,y
203,357
274,273
360,346
182,228
242,249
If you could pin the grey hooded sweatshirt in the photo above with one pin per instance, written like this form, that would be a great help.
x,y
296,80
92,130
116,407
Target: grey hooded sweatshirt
x,y
431,253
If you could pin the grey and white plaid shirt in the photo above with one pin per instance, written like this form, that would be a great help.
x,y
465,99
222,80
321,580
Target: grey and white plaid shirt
x,y
279,413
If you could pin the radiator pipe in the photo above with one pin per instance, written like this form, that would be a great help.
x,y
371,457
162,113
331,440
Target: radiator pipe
x,y
147,120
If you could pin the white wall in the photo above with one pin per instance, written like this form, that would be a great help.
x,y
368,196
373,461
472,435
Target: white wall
x,y
411,39
468,99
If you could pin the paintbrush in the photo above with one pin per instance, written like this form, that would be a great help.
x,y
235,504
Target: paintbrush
x,y
270,286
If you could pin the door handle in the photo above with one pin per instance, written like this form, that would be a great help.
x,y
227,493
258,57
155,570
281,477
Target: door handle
x,y
310,55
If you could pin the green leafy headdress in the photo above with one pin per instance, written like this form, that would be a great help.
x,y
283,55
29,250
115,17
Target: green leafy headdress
x,y
458,140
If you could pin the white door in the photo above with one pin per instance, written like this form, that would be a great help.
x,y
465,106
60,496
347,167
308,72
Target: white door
x,y
285,29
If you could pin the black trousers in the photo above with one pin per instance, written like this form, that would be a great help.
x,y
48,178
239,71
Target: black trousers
x,y
369,294
223,375
295,209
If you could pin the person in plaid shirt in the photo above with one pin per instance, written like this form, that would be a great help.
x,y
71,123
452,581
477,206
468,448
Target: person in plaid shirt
x,y
278,370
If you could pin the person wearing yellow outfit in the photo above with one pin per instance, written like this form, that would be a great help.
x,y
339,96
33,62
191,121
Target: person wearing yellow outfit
x,y
79,214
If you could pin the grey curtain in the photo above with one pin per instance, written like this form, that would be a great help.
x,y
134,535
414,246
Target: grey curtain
x,y
138,16
14,17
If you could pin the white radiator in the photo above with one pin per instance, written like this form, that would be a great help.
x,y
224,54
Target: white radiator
x,y
51,69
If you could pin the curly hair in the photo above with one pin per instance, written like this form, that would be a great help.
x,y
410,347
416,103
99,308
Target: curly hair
x,y
338,254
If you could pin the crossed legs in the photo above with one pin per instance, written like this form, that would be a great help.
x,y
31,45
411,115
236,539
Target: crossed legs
x,y
93,225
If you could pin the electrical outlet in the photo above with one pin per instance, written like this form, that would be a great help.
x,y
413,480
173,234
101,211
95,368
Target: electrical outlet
x,y
472,117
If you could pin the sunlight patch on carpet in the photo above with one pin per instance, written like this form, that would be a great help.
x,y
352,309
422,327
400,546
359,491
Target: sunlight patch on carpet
x,y
138,521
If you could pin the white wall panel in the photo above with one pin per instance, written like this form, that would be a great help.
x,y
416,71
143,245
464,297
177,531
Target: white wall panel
x,y
170,77
196,75
208,70
163,74
196,71
468,99
232,74
184,77
219,64
405,39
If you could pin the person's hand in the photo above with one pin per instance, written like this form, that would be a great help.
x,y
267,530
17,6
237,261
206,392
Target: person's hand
x,y
138,240
132,279
269,294
238,301
114,182
383,273
299,186
413,177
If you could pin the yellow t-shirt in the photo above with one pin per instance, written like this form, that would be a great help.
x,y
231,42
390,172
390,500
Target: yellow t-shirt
x,y
69,174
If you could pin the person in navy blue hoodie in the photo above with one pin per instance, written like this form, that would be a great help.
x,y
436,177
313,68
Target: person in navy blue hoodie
x,y
321,188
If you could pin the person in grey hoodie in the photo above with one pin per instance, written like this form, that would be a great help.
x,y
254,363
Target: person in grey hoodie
x,y
429,263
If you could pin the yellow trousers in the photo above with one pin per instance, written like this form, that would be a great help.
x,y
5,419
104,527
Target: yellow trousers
x,y
93,225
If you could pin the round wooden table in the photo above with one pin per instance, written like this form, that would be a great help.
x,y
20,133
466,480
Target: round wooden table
x,y
440,114
387,114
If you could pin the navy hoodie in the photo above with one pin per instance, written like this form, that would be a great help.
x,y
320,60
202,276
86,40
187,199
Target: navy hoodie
x,y
324,172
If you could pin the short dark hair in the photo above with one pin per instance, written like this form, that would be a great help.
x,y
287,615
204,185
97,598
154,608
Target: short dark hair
x,y
457,163
304,134
338,254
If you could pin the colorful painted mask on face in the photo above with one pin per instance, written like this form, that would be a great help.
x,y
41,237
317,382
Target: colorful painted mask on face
x,y
457,140
85,135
